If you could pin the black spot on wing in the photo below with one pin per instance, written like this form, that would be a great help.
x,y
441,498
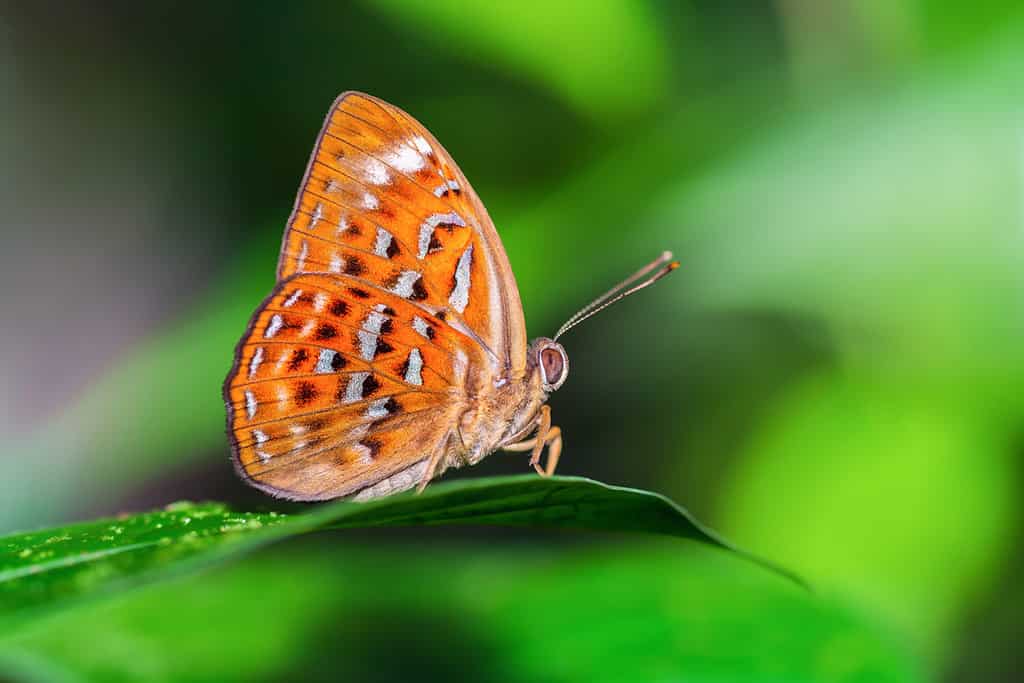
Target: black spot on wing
x,y
372,445
326,331
419,292
305,393
370,385
338,308
298,358
352,227
354,266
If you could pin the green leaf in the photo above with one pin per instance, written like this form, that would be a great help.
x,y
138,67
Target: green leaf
x,y
427,608
45,568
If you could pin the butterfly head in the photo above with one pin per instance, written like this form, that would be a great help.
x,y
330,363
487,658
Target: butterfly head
x,y
548,356
551,362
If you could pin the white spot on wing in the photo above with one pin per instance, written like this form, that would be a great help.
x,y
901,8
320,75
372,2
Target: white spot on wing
x,y
354,388
412,371
376,172
405,159
407,279
383,242
250,405
336,263
290,301
428,226
426,232
367,344
370,331
303,253
459,298
447,186
461,364
342,226
318,213
375,319
319,302
370,201
261,438
420,143
254,364
420,325
378,409
323,363
276,323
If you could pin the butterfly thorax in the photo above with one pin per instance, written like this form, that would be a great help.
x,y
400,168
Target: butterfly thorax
x,y
507,411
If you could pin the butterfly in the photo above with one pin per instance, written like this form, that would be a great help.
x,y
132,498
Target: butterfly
x,y
393,346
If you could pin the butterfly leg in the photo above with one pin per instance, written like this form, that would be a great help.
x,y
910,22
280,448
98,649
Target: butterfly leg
x,y
546,436
554,441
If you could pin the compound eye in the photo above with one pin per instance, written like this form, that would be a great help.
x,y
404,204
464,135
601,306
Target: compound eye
x,y
552,363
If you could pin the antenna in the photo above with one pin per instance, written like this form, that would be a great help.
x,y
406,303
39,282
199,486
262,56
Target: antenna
x,y
664,265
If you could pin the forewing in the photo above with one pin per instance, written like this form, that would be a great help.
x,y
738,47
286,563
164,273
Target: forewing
x,y
338,386
382,201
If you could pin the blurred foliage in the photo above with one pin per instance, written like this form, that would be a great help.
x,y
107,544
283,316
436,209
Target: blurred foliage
x,y
832,377
907,216
557,33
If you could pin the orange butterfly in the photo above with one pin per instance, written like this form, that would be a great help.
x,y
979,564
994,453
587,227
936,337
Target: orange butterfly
x,y
393,346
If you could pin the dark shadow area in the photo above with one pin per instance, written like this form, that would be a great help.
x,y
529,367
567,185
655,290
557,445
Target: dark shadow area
x,y
380,643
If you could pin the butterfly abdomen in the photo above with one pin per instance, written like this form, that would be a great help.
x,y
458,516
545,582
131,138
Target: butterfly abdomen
x,y
499,417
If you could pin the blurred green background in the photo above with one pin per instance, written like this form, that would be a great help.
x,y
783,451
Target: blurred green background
x,y
831,379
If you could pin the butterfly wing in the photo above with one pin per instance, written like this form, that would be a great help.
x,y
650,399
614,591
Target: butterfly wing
x,y
383,199
336,388
395,302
